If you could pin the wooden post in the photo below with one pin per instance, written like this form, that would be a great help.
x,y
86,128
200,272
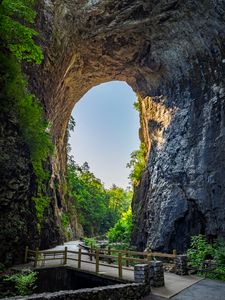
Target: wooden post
x,y
79,258
65,256
175,252
97,261
26,255
120,267
109,250
36,258
127,261
149,256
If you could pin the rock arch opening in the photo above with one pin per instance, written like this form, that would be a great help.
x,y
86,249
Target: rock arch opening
x,y
106,131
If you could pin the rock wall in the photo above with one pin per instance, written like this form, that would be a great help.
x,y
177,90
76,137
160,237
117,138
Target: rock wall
x,y
172,54
185,188
130,291
17,217
18,221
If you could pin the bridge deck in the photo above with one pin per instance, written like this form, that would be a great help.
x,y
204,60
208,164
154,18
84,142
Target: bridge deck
x,y
173,283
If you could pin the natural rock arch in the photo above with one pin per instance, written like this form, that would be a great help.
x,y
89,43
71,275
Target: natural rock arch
x,y
172,54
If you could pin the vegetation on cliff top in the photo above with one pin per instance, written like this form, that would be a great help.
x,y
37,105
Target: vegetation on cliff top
x,y
17,46
137,161
16,34
137,164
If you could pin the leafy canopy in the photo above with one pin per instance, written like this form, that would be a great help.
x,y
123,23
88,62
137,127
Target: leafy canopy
x,y
16,17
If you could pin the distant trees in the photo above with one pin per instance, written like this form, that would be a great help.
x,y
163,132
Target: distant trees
x,y
121,232
98,208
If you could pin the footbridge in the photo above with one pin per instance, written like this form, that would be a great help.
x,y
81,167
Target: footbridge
x,y
119,264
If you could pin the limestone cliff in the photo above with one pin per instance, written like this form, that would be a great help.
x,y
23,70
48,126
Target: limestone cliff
x,y
172,53
17,221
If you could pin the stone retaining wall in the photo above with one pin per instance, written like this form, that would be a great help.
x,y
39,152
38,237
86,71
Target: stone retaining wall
x,y
133,291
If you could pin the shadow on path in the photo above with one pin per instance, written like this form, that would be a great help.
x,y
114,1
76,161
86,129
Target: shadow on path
x,y
203,290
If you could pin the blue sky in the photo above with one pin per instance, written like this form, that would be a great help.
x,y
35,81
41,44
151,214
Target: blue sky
x,y
106,131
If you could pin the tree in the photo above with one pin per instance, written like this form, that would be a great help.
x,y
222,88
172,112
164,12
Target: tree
x,y
98,208
122,230
137,164
17,36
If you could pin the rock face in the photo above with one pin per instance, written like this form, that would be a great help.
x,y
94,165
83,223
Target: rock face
x,y
173,54
17,218
18,221
183,193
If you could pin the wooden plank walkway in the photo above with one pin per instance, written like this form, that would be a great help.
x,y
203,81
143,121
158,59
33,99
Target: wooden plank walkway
x,y
82,260
104,268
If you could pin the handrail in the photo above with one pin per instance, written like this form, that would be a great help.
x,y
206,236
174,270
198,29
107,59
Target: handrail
x,y
123,256
138,253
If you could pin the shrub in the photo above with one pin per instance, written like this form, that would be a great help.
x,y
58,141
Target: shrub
x,y
90,242
122,230
24,281
201,250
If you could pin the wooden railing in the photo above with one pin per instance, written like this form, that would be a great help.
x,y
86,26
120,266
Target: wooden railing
x,y
121,259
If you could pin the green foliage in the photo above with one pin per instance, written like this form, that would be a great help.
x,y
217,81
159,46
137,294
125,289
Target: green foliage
x,y
90,242
24,281
17,45
201,250
137,164
220,270
31,122
41,202
98,208
119,200
65,220
16,34
219,251
122,230
137,104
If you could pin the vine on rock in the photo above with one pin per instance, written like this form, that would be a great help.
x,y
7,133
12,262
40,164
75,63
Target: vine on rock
x,y
18,46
